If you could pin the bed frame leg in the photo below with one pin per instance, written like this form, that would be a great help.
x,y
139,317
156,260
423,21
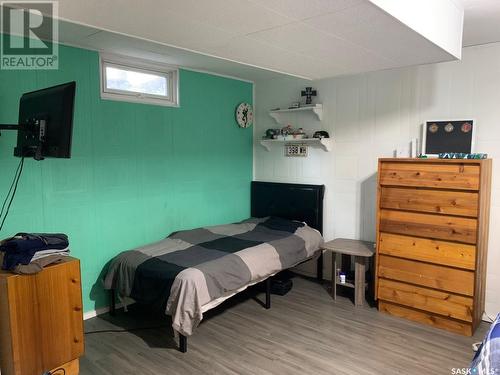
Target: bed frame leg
x,y
268,293
319,270
112,304
183,343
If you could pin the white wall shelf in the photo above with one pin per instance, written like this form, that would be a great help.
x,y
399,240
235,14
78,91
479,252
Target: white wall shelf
x,y
324,143
278,114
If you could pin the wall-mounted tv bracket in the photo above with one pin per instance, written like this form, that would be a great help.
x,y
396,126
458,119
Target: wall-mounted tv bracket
x,y
8,127
34,129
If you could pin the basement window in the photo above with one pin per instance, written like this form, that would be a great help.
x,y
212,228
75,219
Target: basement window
x,y
138,81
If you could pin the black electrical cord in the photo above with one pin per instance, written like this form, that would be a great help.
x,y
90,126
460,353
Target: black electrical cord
x,y
12,189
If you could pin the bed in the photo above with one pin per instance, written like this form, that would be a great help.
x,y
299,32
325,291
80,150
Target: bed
x,y
487,358
192,271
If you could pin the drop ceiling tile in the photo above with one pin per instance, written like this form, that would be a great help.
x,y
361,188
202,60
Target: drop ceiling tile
x,y
358,60
303,9
255,52
338,54
295,37
377,32
238,17
162,26
346,20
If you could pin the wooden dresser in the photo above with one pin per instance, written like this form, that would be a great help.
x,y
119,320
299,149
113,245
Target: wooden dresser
x,y
432,239
41,321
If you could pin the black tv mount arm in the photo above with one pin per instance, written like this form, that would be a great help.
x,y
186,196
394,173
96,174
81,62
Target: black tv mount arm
x,y
8,127
37,128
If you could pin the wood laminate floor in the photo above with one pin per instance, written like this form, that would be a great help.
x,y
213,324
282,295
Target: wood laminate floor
x,y
304,332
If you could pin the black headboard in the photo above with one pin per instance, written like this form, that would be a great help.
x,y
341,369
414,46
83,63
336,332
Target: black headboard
x,y
290,201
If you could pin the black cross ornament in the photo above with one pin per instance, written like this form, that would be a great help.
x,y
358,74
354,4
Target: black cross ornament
x,y
309,93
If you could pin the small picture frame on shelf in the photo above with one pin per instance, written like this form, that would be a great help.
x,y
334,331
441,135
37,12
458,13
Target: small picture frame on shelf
x,y
448,136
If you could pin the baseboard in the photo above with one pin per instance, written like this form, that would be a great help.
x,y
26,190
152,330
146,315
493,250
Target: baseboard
x,y
102,310
93,313
488,318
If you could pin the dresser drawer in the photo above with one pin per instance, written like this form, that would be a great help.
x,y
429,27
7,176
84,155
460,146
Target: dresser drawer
x,y
435,201
426,250
428,275
438,302
442,227
433,175
437,321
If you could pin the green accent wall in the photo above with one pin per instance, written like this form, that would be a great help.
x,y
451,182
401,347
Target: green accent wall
x,y
137,172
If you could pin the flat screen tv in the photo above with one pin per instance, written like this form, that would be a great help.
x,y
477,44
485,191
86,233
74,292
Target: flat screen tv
x,y
46,122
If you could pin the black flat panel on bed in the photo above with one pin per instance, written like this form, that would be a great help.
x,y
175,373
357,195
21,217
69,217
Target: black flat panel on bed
x,y
290,201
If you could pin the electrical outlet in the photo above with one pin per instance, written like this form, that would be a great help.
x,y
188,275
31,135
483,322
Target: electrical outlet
x,y
293,150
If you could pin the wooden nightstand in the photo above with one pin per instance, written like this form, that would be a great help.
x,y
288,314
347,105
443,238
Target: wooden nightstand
x,y
41,320
361,250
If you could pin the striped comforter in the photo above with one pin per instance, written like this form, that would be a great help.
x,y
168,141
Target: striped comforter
x,y
194,270
487,358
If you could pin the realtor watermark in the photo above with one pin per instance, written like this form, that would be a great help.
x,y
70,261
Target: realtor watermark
x,y
473,371
30,33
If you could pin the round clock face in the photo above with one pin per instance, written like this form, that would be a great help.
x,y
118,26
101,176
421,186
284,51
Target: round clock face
x,y
244,115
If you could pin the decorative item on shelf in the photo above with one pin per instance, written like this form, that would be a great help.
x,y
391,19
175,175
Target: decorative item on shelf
x,y
407,150
477,156
299,134
309,92
286,130
461,155
294,105
448,136
402,151
321,134
244,115
271,134
414,147
288,133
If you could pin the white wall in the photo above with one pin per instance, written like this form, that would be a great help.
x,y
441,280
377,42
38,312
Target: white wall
x,y
368,115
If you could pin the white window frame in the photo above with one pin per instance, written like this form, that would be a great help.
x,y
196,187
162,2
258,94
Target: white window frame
x,y
141,66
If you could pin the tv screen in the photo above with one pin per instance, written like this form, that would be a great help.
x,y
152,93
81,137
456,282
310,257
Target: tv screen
x,y
46,122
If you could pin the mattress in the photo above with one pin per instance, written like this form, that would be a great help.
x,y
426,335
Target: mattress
x,y
195,270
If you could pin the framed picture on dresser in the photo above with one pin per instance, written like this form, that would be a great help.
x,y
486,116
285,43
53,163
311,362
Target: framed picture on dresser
x,y
448,136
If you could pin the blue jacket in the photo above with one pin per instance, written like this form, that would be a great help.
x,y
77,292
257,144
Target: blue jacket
x,y
21,248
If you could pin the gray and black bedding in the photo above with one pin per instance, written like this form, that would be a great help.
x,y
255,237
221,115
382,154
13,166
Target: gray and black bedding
x,y
195,270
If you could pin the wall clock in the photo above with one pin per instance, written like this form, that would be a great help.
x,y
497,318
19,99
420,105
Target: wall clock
x,y
244,115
